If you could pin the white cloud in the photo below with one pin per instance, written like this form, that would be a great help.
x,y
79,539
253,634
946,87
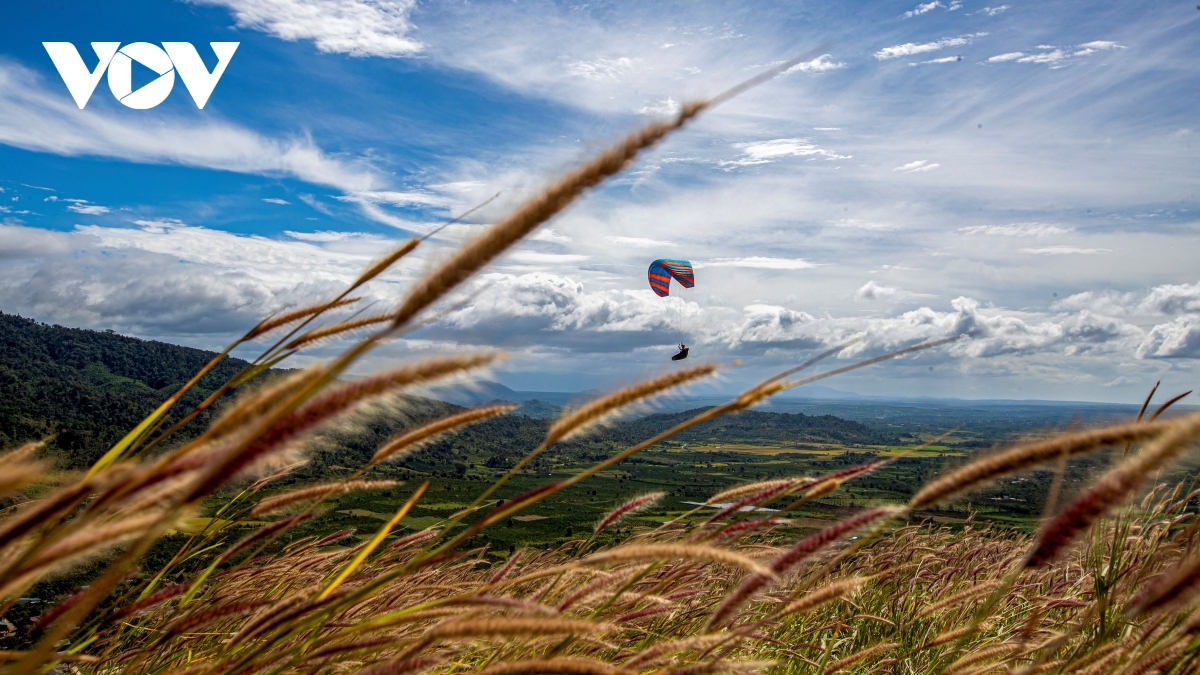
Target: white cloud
x,y
911,48
944,59
1054,56
916,166
822,64
551,235
275,200
26,242
164,277
864,224
874,291
394,198
1099,45
1172,299
667,106
322,237
993,11
1017,230
601,68
539,258
1168,299
355,27
763,152
759,262
642,242
1000,334
1065,250
33,118
1177,339
922,8
89,209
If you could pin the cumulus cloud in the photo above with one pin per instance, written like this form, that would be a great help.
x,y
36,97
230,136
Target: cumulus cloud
x,y
998,334
163,277
874,291
1171,299
916,166
763,152
37,119
27,242
1178,339
355,27
1017,230
1167,299
911,48
558,311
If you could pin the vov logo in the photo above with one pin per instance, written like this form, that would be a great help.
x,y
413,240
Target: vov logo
x,y
171,58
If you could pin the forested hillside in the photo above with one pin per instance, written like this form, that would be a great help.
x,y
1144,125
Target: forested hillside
x,y
88,388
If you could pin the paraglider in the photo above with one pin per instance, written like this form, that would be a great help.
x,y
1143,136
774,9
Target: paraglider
x,y
664,269
660,274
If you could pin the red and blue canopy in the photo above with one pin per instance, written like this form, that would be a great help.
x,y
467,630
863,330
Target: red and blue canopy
x,y
664,269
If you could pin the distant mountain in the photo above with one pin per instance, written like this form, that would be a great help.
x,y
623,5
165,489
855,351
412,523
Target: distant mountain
x,y
85,389
484,391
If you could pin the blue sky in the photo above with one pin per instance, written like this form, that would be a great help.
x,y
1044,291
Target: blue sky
x,y
1029,169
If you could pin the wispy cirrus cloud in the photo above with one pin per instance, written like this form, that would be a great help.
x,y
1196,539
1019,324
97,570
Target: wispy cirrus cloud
x,y
1017,230
33,118
83,207
764,152
1051,55
602,68
916,166
759,262
354,27
1066,250
993,11
923,8
912,48
643,242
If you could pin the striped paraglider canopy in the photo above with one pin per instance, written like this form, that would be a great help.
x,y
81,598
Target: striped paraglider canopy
x,y
662,270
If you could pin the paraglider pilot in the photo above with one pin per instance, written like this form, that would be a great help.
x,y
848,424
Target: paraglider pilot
x,y
683,350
